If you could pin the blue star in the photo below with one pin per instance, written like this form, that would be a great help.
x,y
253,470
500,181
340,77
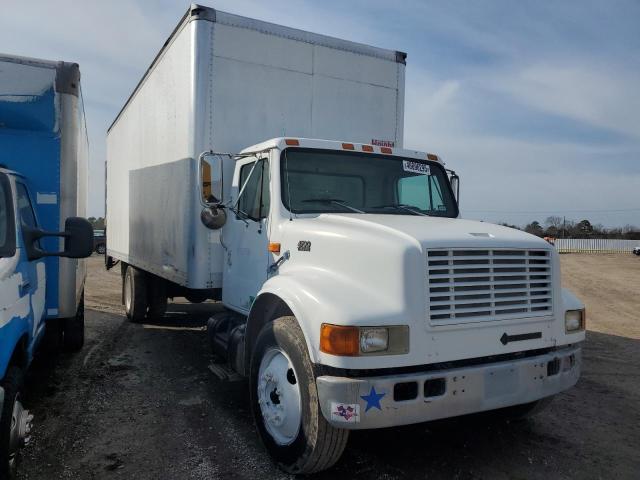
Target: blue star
x,y
373,399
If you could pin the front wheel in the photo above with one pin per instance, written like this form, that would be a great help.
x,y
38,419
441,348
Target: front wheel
x,y
15,423
135,294
284,401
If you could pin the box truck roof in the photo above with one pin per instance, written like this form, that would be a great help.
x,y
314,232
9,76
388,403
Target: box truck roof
x,y
199,12
66,77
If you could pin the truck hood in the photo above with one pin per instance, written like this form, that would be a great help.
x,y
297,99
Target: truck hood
x,y
436,232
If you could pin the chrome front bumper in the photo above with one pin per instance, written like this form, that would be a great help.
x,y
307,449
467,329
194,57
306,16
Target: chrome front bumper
x,y
385,401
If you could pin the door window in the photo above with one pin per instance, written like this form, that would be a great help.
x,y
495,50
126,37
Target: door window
x,y
25,210
421,191
7,229
255,200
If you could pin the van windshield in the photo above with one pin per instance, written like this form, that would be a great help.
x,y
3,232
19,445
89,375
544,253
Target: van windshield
x,y
7,231
322,181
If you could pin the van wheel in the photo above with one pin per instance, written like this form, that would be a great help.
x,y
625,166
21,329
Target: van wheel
x,y
135,294
284,401
73,327
101,248
15,423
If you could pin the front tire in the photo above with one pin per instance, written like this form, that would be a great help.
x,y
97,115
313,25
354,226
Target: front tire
x,y
135,294
284,401
15,423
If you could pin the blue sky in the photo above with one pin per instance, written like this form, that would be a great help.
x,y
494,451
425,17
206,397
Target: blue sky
x,y
535,104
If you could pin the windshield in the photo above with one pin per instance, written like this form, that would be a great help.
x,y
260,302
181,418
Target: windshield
x,y
7,232
317,181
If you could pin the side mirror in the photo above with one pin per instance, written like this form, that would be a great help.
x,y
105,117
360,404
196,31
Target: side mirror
x,y
78,240
455,186
210,179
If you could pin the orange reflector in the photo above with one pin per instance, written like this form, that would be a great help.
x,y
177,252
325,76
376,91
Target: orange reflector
x,y
338,340
386,150
292,142
347,146
367,148
431,156
274,247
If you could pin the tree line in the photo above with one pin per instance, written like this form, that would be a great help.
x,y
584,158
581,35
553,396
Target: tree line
x,y
560,227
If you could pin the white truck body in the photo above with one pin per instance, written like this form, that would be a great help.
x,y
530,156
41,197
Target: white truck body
x,y
342,261
225,82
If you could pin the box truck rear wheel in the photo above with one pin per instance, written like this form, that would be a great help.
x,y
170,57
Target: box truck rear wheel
x,y
135,294
284,401
15,422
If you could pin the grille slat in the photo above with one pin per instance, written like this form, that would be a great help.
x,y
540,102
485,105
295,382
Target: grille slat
x,y
466,286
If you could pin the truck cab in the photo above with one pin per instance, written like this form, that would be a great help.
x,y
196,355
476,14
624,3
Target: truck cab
x,y
23,305
406,312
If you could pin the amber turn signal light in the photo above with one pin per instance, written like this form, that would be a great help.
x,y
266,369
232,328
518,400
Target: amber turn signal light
x,y
274,247
339,340
292,142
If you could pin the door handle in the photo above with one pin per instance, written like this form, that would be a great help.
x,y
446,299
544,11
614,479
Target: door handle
x,y
24,288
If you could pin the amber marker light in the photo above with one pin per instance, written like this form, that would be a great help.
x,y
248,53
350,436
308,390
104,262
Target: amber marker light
x,y
386,150
431,156
367,148
339,340
347,146
292,142
274,247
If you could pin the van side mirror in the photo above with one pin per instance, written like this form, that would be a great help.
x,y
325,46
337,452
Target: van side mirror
x,y
210,179
78,240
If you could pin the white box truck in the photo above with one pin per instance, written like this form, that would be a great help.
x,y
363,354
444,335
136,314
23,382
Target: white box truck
x,y
263,166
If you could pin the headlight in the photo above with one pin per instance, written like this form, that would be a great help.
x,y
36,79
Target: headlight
x,y
574,320
356,341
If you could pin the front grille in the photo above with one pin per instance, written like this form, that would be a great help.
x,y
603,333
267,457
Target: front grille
x,y
466,286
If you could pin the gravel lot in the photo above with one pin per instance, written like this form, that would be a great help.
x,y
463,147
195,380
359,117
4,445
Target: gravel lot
x,y
139,401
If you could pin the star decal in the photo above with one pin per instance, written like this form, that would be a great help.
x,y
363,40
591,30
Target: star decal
x,y
373,399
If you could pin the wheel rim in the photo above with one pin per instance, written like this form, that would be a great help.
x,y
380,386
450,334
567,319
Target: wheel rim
x,y
127,292
20,428
279,396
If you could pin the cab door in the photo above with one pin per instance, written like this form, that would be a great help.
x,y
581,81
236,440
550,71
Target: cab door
x,y
33,272
245,235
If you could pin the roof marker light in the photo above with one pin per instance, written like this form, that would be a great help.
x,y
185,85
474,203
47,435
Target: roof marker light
x,y
348,146
386,150
367,148
431,156
292,142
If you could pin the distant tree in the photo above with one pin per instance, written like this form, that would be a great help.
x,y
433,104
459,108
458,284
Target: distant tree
x,y
584,227
534,228
505,224
554,222
96,223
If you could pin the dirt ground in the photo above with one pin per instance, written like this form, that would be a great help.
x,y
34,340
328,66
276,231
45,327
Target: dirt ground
x,y
140,401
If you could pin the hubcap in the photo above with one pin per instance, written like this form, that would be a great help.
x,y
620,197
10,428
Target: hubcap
x,y
20,429
127,292
279,396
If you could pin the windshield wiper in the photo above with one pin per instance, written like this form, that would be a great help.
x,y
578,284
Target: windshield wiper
x,y
336,201
408,208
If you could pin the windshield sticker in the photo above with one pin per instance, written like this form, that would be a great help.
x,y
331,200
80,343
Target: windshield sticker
x,y
416,167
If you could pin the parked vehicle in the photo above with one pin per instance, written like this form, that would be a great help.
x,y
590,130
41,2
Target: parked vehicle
x,y
636,250
356,296
99,242
43,175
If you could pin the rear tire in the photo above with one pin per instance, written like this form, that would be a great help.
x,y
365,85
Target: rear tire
x,y
135,294
157,297
297,437
14,423
73,329
101,249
